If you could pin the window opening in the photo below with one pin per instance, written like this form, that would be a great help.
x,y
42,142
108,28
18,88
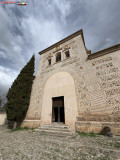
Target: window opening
x,y
67,54
49,62
58,57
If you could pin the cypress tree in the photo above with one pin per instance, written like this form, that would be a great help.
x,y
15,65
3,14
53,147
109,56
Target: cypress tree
x,y
0,102
19,94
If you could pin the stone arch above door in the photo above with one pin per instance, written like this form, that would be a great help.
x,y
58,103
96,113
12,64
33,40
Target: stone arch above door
x,y
60,84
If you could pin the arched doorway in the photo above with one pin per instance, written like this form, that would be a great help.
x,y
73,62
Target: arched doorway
x,y
59,100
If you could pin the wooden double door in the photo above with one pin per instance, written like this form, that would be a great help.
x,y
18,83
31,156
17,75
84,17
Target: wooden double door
x,y
58,114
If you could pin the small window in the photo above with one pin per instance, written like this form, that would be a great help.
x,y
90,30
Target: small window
x,y
58,57
67,54
49,62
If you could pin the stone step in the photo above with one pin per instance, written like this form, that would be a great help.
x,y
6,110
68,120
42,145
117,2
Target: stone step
x,y
54,132
55,126
54,129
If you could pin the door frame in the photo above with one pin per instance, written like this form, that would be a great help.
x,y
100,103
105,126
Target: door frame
x,y
62,97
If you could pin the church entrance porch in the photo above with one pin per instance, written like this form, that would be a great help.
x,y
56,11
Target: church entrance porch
x,y
58,114
59,103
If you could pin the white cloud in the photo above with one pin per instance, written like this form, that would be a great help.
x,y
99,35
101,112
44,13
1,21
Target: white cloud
x,y
7,76
8,42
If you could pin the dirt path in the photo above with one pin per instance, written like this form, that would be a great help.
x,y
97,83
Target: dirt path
x,y
34,145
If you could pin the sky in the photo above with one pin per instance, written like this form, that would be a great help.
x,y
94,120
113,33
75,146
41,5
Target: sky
x,y
26,30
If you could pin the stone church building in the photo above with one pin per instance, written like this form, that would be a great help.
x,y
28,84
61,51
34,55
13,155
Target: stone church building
x,y
75,87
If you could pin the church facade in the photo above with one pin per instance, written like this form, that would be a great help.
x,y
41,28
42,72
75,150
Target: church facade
x,y
75,87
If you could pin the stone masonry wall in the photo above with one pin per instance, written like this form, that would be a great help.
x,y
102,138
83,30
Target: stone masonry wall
x,y
97,82
77,54
100,98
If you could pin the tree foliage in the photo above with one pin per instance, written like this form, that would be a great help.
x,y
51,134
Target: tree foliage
x,y
2,109
0,102
19,94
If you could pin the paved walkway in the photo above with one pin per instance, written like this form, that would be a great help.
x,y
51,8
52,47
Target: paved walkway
x,y
34,145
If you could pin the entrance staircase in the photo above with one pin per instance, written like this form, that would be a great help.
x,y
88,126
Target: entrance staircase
x,y
58,129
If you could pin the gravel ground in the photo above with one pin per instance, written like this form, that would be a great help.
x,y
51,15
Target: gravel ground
x,y
35,145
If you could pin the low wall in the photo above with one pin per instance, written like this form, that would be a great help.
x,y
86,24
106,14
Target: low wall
x,y
2,118
95,123
31,123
